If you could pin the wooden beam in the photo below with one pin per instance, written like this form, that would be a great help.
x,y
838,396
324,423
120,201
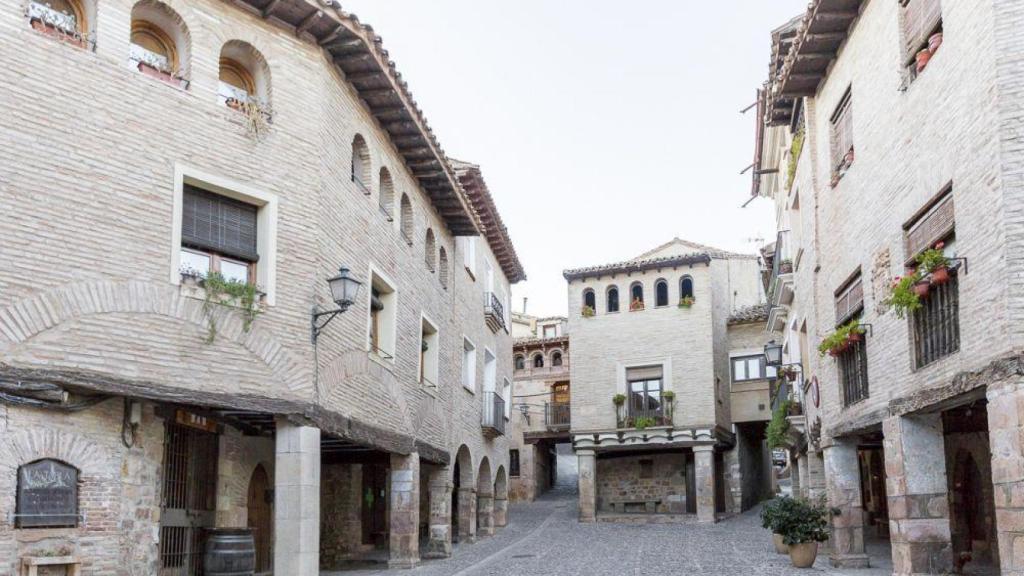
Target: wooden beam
x,y
815,56
360,76
269,9
357,59
825,37
377,92
423,163
347,43
794,77
308,21
332,36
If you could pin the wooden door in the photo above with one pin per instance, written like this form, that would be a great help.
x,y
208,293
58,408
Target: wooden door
x,y
375,504
188,501
261,518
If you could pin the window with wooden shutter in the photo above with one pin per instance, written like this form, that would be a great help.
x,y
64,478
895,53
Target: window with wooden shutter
x,y
932,223
849,299
841,134
218,234
919,19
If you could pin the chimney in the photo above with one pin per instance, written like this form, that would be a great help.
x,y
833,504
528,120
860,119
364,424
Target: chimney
x,y
524,304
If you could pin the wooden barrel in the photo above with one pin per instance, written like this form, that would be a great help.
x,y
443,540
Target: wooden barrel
x,y
229,552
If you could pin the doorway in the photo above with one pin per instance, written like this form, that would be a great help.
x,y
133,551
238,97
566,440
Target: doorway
x,y
260,518
189,499
375,505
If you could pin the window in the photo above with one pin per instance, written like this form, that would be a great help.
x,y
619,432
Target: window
x,y
490,371
644,385
556,358
685,287
841,137
469,254
551,331
218,235
589,300
935,327
65,20
429,345
920,21
382,317
661,293
613,299
750,368
158,41
387,194
442,266
405,223
469,365
47,495
849,299
646,469
520,362
636,296
429,248
538,360
853,372
513,463
361,164
243,77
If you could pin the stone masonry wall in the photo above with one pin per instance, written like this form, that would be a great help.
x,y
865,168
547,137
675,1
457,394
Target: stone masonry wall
x,y
620,479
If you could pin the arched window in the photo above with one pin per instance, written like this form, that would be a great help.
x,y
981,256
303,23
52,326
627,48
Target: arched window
x,y
387,193
47,495
538,360
428,250
556,358
685,287
442,265
405,223
661,293
159,42
636,296
520,362
613,299
361,164
67,20
244,78
589,301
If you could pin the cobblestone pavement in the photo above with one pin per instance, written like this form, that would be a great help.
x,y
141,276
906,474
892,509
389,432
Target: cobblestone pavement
x,y
544,539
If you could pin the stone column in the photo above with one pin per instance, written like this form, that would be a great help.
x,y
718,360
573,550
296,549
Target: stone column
x,y
794,474
467,514
704,470
296,500
440,543
500,511
1006,440
587,481
842,475
404,511
915,485
802,463
485,513
816,486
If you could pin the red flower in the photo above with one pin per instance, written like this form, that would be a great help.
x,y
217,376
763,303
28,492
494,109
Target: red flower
x,y
940,245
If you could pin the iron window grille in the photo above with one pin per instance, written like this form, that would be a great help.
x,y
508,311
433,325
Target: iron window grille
x,y
936,325
853,372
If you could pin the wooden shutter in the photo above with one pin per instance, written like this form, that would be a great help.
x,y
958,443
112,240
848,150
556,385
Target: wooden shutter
x,y
841,135
644,373
213,222
934,224
919,20
849,299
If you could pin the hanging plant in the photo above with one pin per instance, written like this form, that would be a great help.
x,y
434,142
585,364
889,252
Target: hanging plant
x,y
776,434
841,339
794,155
904,297
687,301
934,262
229,293
587,311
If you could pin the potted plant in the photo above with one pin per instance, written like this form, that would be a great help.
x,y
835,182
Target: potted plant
x,y
933,261
904,298
587,311
785,267
619,400
922,59
772,513
686,301
934,41
803,525
636,304
644,422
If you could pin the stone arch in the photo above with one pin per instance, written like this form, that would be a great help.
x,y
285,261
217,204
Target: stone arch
x,y
686,287
387,192
501,483
361,164
612,298
590,300
34,315
25,446
485,499
557,357
429,249
442,267
520,362
463,496
661,292
241,53
500,498
537,360
152,17
405,219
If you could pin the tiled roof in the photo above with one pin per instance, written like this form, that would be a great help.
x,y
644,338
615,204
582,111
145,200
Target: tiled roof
x,y
696,247
532,341
748,314
472,181
637,265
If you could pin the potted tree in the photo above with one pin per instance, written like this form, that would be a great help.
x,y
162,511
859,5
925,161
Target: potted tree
x,y
803,525
772,513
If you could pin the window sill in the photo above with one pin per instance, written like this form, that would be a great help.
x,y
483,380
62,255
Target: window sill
x,y
472,276
469,390
193,287
387,363
175,82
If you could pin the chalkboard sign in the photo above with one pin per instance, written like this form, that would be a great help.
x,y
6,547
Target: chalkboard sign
x,y
47,495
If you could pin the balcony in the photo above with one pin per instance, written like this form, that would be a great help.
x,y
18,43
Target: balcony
x,y
556,416
493,420
780,287
494,312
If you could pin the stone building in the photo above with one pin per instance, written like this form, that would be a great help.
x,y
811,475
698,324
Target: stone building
x,y
889,141
651,377
541,403
181,182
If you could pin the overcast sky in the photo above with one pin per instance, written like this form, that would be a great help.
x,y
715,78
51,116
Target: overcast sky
x,y
603,128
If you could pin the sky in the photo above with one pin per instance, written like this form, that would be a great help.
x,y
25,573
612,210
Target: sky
x,y
602,128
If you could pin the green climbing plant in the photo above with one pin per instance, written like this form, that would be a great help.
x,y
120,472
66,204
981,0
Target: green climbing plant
x,y
777,429
794,155
231,293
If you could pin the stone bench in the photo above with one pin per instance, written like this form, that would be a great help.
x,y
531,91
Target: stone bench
x,y
30,564
650,506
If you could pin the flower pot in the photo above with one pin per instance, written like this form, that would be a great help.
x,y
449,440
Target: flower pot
x,y
921,288
802,555
791,376
922,59
835,180
856,337
780,544
934,41
940,275
848,158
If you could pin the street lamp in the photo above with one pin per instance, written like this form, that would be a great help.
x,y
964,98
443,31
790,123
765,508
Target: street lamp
x,y
773,354
344,291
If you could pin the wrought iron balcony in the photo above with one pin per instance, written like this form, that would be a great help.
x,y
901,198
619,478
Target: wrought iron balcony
x,y
556,415
493,421
494,312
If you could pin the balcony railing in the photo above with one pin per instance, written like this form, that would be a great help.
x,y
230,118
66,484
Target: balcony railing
x,y
782,262
494,312
493,421
556,415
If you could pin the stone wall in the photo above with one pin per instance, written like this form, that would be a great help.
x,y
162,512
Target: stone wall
x,y
663,480
341,500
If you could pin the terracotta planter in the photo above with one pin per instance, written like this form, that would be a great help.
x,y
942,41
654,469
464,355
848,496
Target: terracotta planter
x,y
922,59
780,545
940,275
934,41
856,337
921,289
802,555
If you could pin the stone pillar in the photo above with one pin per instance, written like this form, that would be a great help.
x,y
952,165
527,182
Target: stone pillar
x,y
485,513
816,485
704,468
296,500
915,485
801,466
794,475
467,514
440,543
842,475
587,481
500,511
1006,440
404,511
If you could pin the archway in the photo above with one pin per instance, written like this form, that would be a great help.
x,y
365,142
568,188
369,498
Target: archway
x,y
463,497
485,499
500,498
261,518
968,510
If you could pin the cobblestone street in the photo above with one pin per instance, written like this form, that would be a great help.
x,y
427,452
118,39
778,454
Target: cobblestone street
x,y
544,539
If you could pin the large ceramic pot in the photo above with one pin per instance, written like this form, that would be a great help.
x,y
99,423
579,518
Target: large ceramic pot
x,y
802,555
780,545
